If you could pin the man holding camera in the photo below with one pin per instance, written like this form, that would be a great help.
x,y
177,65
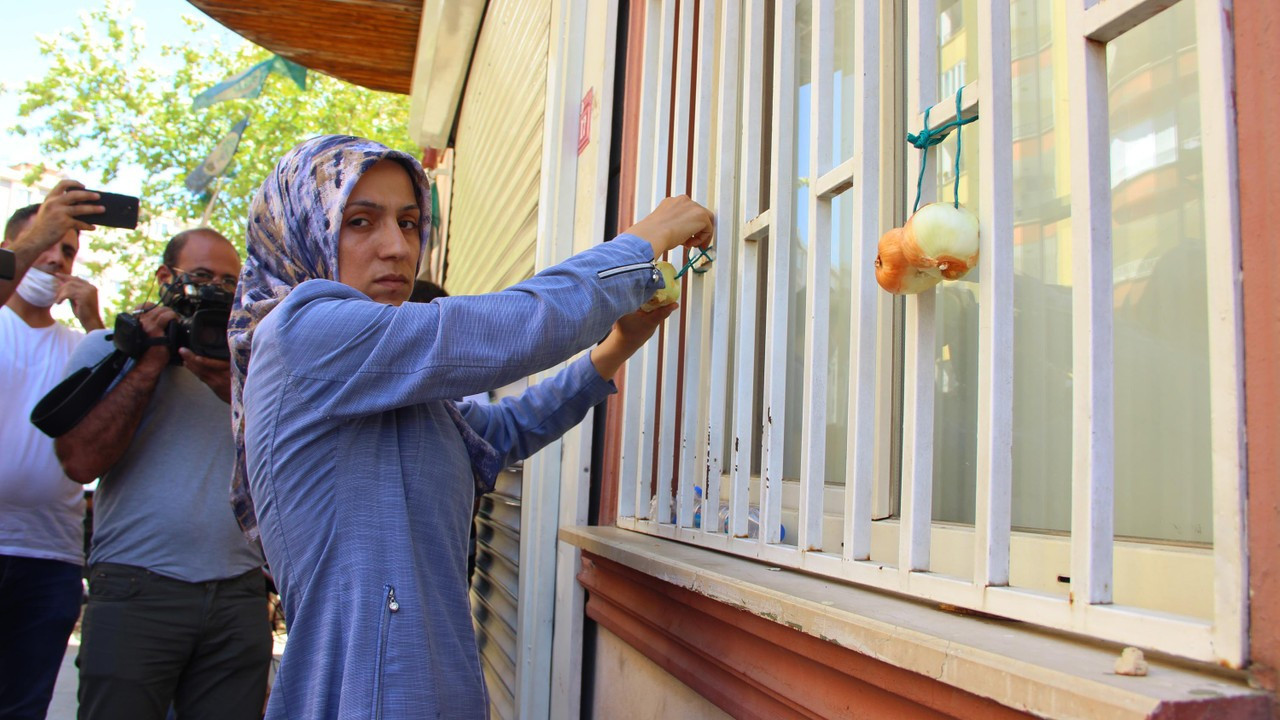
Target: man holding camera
x,y
41,511
177,610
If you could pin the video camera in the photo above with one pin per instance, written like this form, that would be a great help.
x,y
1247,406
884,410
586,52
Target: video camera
x,y
203,312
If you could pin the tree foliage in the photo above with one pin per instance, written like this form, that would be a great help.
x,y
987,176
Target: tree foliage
x,y
102,108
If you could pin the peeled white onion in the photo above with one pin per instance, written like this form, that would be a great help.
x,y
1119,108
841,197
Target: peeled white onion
x,y
942,236
666,295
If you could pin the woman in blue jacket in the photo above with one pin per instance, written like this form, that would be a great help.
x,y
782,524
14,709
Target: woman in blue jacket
x,y
355,467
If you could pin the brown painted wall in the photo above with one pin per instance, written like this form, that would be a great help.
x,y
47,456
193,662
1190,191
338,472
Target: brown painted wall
x,y
1257,56
755,668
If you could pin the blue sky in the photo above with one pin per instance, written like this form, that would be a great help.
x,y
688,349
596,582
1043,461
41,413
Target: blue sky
x,y
20,58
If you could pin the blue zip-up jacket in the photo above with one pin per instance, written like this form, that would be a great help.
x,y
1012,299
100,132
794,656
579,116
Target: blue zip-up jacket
x,y
363,486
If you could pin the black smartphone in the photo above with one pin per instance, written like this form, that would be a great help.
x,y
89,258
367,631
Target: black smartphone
x,y
8,265
121,211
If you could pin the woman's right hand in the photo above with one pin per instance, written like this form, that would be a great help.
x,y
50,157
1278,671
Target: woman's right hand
x,y
676,221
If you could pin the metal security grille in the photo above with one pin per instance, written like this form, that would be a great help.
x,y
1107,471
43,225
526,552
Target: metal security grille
x,y
495,590
718,120
498,153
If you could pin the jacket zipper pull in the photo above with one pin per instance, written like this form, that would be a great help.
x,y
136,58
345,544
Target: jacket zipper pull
x,y
392,604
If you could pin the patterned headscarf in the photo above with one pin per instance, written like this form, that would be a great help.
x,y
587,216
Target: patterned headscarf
x,y
292,237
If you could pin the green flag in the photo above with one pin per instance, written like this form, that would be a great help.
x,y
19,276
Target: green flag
x,y
248,84
291,70
218,160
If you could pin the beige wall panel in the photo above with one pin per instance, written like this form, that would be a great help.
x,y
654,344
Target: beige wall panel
x,y
630,685
493,228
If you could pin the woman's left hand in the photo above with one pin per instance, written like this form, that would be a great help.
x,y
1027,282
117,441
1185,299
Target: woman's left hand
x,y
629,334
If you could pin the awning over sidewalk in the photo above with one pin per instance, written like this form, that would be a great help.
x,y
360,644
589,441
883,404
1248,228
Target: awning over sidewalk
x,y
367,42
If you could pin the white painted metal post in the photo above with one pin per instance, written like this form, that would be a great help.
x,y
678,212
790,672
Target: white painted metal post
x,y
813,425
1226,369
539,523
727,243
917,432
633,480
778,295
698,296
754,64
866,225
1093,356
674,340
995,291
601,21
662,426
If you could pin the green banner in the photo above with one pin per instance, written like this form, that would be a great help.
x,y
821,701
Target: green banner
x,y
248,84
217,161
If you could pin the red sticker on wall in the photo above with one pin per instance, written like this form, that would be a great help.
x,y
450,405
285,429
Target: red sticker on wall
x,y
584,121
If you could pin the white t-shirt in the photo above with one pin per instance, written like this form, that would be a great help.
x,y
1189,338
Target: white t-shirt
x,y
41,509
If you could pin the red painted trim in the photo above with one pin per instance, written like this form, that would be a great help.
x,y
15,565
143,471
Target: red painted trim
x,y
1257,48
754,668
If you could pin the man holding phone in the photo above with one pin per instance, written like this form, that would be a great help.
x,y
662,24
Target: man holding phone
x,y
41,510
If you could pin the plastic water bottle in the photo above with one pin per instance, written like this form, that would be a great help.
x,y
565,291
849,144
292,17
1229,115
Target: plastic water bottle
x,y
753,521
653,508
697,507
753,514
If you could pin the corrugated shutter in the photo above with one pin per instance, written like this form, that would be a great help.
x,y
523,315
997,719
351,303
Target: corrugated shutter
x,y
495,588
493,228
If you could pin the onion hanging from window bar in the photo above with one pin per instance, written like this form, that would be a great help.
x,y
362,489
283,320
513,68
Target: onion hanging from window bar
x,y
939,242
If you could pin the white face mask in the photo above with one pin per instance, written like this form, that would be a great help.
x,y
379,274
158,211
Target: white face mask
x,y
38,288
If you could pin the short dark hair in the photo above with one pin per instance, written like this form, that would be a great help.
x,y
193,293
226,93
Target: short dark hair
x,y
18,221
426,291
174,247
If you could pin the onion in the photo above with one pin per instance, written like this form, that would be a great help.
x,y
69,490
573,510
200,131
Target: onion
x,y
895,274
666,295
942,236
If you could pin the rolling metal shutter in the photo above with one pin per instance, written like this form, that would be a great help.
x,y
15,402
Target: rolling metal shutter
x,y
495,589
492,241
498,151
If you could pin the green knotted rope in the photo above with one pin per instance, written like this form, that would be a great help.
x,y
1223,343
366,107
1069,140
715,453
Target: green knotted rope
x,y
702,253
928,137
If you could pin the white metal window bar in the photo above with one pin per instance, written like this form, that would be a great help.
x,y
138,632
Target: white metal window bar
x,y
740,26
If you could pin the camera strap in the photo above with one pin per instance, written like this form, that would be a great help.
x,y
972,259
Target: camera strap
x,y
66,404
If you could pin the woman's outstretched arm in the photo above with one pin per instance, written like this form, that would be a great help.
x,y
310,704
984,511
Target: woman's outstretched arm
x,y
520,426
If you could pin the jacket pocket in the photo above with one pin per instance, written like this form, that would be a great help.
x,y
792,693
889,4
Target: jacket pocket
x,y
390,606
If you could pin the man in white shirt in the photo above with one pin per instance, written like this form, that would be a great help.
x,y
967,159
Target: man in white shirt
x,y
41,510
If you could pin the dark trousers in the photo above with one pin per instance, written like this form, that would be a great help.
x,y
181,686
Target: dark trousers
x,y
39,604
148,640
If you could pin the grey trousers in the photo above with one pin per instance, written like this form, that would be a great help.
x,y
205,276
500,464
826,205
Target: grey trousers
x,y
148,641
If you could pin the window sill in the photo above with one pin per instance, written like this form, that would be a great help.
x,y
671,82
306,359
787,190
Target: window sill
x,y
1014,664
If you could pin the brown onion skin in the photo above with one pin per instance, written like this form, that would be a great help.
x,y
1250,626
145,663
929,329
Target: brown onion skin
x,y
894,273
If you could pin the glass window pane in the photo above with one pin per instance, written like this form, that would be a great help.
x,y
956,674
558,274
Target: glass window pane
x,y
955,398
843,102
957,45
1042,273
797,280
956,355
841,329
1163,483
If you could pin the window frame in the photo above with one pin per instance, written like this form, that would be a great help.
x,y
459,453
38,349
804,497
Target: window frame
x,y
646,464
